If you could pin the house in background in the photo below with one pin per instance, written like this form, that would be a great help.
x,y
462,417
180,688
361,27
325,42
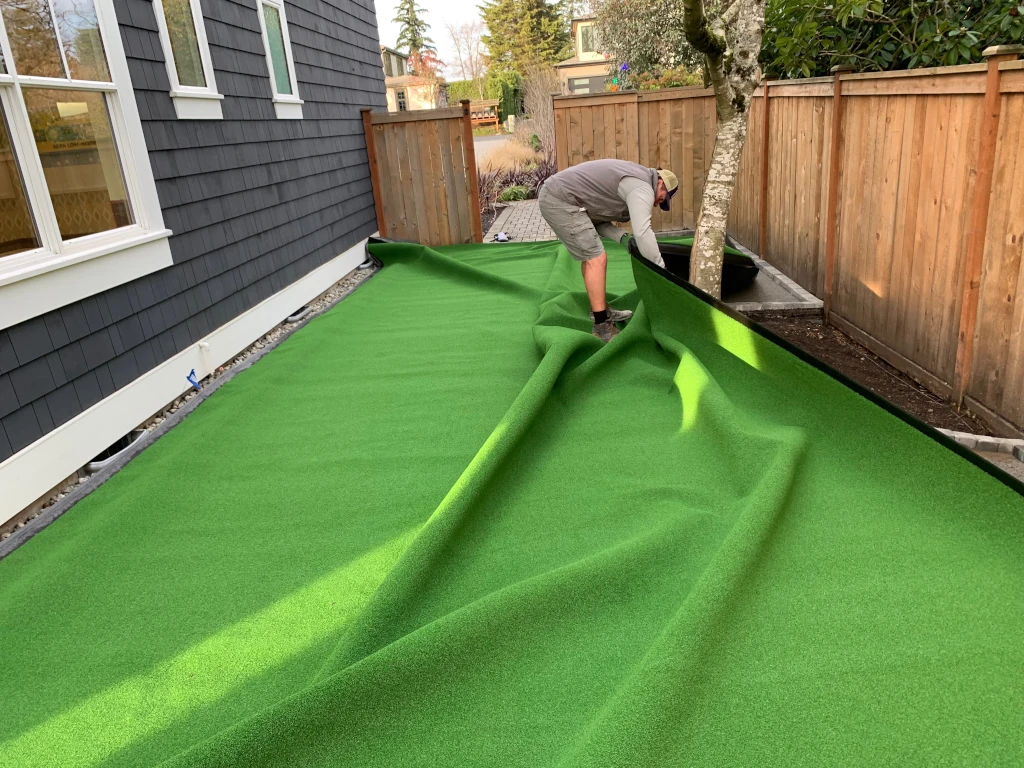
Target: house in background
x,y
407,92
176,178
588,70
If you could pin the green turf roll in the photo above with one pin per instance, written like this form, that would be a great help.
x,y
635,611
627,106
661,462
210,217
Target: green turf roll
x,y
443,525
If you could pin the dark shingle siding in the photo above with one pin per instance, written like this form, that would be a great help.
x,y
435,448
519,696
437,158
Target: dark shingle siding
x,y
255,203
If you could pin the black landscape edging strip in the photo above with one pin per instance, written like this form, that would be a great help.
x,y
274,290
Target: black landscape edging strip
x,y
51,513
986,466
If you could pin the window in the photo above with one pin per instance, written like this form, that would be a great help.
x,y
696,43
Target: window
x,y
72,189
400,97
579,85
287,103
388,65
587,39
399,66
189,67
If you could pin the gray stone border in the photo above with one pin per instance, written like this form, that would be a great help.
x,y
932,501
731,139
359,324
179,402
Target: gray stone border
x,y
805,299
51,513
1008,445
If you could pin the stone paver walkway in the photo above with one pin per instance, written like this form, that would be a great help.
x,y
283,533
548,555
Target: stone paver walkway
x,y
522,222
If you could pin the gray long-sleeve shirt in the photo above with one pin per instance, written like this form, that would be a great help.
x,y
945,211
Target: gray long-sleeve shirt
x,y
639,199
612,190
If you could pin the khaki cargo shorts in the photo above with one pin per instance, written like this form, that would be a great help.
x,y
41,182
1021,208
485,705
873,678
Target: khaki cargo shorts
x,y
571,225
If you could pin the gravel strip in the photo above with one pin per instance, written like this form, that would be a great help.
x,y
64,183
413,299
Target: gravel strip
x,y
158,425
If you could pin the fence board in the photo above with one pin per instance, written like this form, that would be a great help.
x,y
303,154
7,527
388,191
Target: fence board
x,y
997,381
797,188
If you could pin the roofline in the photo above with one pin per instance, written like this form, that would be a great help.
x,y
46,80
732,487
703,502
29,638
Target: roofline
x,y
389,49
563,65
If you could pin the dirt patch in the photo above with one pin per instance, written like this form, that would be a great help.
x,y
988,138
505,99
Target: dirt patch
x,y
488,216
838,350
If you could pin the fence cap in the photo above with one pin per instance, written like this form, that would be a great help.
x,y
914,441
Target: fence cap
x,y
1003,50
843,68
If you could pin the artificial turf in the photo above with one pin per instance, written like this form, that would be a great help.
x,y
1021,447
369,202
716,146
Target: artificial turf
x,y
443,525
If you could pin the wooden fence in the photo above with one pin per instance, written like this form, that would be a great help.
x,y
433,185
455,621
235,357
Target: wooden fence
x,y
424,175
911,231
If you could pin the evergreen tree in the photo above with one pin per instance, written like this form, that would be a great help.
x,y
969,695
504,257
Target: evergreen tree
x,y
413,29
522,34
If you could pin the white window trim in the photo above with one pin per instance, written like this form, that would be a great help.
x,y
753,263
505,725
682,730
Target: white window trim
x,y
34,282
190,102
286,106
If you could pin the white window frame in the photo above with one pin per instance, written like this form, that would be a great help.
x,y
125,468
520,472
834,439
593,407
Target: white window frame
x,y
62,271
191,102
288,106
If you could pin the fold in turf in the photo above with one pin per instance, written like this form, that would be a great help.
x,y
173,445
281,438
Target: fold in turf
x,y
443,525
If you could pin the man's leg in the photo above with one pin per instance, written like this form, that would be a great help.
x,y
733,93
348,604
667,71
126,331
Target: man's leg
x,y
595,278
576,231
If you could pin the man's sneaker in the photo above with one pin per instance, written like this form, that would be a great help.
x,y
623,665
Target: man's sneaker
x,y
616,315
605,331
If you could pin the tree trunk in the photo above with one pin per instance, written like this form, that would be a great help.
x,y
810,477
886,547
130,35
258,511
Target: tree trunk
x,y
709,239
731,45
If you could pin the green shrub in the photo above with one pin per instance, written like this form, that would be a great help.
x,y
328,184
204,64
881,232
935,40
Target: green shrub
x,y
536,143
666,78
462,89
513,193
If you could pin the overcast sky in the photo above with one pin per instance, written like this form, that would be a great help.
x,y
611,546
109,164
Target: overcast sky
x,y
435,13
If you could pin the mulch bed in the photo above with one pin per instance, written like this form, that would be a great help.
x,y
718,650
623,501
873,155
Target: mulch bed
x,y
488,216
847,356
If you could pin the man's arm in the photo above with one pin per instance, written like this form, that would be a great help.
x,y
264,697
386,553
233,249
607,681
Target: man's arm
x,y
639,199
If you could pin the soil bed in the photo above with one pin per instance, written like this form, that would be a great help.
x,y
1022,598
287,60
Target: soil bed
x,y
838,350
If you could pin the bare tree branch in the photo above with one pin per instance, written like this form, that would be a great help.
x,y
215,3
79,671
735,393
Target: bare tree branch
x,y
466,39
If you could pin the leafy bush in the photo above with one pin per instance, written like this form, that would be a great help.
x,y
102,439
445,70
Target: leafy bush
x,y
805,39
535,143
493,183
462,89
667,78
513,193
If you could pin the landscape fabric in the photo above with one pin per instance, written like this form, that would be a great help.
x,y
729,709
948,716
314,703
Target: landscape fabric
x,y
443,525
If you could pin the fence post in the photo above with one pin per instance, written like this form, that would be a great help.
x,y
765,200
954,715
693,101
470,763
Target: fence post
x,y
762,239
979,217
832,201
371,154
471,172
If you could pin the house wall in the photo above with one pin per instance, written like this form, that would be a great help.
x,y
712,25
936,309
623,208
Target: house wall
x,y
417,97
255,203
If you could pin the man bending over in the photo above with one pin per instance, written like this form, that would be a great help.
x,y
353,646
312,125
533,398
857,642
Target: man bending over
x,y
580,203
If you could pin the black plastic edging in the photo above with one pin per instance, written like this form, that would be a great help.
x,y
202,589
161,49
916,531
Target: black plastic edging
x,y
1004,477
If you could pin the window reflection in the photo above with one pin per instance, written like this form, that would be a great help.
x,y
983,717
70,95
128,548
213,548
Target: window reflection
x,y
83,173
275,39
181,29
80,34
34,41
17,231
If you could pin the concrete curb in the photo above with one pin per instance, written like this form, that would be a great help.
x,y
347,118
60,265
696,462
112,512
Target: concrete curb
x,y
804,299
51,513
1008,445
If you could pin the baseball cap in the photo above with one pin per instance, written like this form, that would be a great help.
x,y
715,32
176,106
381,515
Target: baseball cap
x,y
671,184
